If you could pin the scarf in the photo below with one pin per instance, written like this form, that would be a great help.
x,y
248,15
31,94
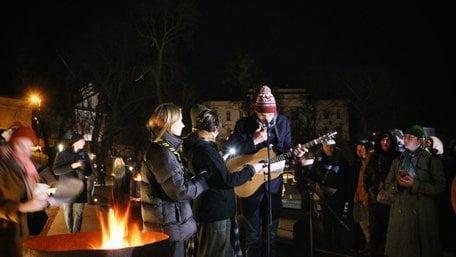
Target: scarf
x,y
174,151
206,135
361,195
407,163
29,169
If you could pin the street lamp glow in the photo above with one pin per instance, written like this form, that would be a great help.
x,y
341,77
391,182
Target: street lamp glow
x,y
36,100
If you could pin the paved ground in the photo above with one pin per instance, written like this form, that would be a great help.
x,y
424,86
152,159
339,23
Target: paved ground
x,y
56,224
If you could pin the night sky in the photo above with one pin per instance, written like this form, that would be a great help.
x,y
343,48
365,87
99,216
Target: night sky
x,y
290,40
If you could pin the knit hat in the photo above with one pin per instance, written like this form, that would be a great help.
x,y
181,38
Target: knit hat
x,y
23,132
195,113
417,131
265,102
75,137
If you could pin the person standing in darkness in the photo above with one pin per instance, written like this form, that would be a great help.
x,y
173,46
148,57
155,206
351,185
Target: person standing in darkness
x,y
334,186
215,209
415,178
167,188
71,164
264,130
386,149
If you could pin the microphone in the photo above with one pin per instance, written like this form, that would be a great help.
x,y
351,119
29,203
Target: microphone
x,y
265,124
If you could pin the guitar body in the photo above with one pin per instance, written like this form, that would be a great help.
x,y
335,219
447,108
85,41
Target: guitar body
x,y
237,163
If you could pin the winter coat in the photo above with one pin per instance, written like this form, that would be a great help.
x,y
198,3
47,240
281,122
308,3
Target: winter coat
x,y
62,168
13,224
167,191
378,167
413,225
242,138
219,202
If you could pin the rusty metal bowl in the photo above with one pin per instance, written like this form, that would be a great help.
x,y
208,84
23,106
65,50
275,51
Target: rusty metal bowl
x,y
84,244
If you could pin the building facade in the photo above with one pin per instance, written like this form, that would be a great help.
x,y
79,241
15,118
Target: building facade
x,y
308,120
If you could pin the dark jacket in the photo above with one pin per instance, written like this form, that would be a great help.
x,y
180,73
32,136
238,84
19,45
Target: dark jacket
x,y
166,191
242,138
378,166
242,141
62,168
219,202
334,175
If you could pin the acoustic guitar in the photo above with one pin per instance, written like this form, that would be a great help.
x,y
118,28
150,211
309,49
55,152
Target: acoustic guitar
x,y
236,164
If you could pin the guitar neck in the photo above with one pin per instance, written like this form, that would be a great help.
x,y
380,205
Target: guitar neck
x,y
281,157
311,143
307,145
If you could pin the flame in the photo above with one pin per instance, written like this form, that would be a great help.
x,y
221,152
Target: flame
x,y
116,230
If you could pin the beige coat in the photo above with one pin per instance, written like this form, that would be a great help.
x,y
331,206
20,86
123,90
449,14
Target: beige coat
x,y
13,224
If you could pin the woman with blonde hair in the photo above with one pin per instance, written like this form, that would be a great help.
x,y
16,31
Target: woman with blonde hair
x,y
166,186
119,172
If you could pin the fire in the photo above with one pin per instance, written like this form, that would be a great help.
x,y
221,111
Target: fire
x,y
116,230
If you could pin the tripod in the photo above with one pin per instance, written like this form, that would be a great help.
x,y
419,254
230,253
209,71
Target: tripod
x,y
308,190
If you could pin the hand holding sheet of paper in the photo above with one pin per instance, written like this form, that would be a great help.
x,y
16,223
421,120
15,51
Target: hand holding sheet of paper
x,y
66,191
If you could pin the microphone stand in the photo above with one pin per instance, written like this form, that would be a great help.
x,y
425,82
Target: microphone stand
x,y
310,189
269,191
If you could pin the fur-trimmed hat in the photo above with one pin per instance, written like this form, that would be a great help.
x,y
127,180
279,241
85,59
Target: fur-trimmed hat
x,y
265,102
196,111
23,131
417,131
437,144
76,137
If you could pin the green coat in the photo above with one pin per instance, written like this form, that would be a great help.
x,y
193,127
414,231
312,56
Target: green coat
x,y
413,225
13,224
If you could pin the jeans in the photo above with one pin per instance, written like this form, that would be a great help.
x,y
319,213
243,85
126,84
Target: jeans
x,y
256,241
255,212
214,239
73,216
176,249
91,187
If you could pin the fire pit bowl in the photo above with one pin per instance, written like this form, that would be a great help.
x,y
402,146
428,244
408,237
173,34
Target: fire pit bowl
x,y
84,244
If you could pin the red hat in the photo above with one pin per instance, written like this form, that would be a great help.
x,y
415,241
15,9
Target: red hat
x,y
265,102
23,132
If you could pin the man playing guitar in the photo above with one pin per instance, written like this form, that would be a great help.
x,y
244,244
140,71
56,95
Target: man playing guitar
x,y
269,132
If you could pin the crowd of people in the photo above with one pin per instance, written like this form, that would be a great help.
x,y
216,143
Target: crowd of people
x,y
392,198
